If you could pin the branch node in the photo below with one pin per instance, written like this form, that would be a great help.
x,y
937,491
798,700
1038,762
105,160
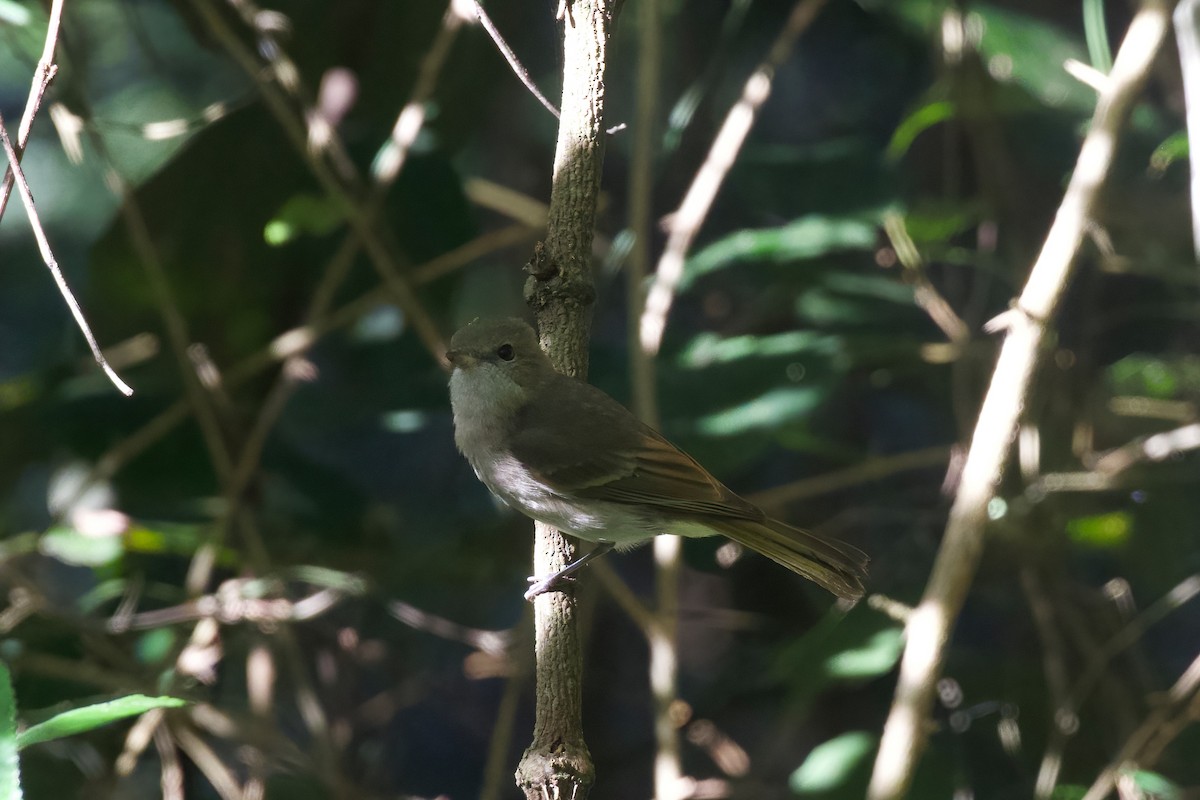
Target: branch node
x,y
548,284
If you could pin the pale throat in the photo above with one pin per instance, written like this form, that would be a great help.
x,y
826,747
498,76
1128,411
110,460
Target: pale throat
x,y
485,401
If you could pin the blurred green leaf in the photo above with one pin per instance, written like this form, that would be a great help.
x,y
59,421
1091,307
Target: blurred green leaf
x,y
848,298
155,645
1095,31
1147,785
303,214
876,656
10,768
179,539
72,547
1162,377
939,221
916,123
709,348
1071,792
831,764
769,410
1031,52
19,544
853,646
327,578
807,237
80,720
12,13
1101,530
1173,148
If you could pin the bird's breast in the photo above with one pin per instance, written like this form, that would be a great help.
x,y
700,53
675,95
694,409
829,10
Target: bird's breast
x,y
591,520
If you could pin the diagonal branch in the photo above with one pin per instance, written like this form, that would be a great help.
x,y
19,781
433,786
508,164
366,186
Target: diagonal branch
x,y
928,630
42,75
513,62
686,222
357,215
51,264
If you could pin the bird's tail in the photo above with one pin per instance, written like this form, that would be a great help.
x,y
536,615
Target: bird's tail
x,y
834,565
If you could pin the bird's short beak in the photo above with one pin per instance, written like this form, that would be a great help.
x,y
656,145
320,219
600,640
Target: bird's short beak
x,y
460,359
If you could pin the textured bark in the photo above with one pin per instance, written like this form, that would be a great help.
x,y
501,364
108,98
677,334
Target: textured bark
x,y
557,763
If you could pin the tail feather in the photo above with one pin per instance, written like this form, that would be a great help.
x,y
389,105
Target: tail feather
x,y
833,565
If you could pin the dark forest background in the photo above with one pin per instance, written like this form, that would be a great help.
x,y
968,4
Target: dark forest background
x,y
309,562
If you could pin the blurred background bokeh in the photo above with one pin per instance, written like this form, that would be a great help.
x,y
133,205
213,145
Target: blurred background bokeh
x,y
300,551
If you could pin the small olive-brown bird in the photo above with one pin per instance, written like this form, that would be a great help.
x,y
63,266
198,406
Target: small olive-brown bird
x,y
565,453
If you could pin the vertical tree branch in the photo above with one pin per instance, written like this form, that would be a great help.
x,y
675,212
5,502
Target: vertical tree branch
x,y
662,634
557,763
928,629
1187,37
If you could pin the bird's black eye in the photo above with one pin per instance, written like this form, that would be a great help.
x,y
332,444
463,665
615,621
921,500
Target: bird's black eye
x,y
505,351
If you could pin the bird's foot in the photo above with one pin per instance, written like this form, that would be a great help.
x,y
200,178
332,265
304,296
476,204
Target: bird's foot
x,y
558,582
563,580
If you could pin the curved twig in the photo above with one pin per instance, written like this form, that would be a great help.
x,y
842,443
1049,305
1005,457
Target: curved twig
x,y
51,264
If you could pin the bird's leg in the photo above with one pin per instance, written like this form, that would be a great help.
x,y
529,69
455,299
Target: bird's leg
x,y
561,579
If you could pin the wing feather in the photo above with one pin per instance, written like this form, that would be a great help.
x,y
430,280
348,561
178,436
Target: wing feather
x,y
603,452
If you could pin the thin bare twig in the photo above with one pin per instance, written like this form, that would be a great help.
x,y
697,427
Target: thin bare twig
x,y
686,222
236,601
1054,662
321,135
623,596
515,63
380,256
206,760
928,630
391,157
178,336
51,264
43,74
487,641
171,781
662,628
925,294
872,469
1110,467
1066,719
297,341
503,728
1146,744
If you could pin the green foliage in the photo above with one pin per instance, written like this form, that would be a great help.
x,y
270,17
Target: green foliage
x,y
1146,785
1174,148
80,549
850,648
1031,52
315,215
1095,30
831,764
1068,792
1101,530
10,769
916,123
84,718
804,238
58,723
1156,376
